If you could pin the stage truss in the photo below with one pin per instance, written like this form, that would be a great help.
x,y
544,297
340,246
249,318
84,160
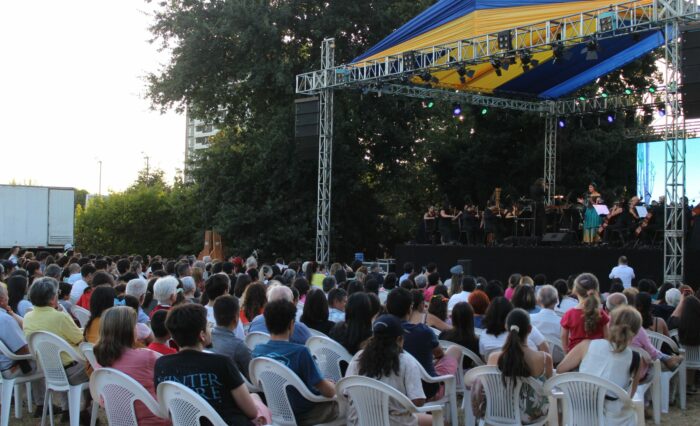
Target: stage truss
x,y
391,75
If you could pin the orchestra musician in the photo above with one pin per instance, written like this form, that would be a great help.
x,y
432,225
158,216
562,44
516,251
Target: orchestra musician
x,y
592,220
430,220
537,192
469,222
445,224
617,221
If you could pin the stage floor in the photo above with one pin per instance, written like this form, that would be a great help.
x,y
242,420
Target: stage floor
x,y
555,262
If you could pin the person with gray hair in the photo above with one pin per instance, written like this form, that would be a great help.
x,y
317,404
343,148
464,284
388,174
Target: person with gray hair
x,y
137,287
547,321
251,263
54,271
188,288
277,291
165,293
45,317
614,300
421,281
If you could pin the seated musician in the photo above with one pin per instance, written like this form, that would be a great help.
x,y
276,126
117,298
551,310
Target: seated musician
x,y
619,221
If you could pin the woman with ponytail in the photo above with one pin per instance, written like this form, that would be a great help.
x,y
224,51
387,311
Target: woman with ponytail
x,y
611,359
587,320
517,360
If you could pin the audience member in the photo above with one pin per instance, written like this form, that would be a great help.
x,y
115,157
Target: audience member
x,y
462,331
383,359
315,314
280,320
461,293
137,288
337,300
356,329
80,284
524,298
115,349
479,302
101,299
495,332
587,320
223,340
17,292
254,300
161,335
547,321
419,315
276,291
513,282
213,376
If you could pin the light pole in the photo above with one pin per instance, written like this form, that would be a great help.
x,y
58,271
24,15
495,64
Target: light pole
x,y
99,187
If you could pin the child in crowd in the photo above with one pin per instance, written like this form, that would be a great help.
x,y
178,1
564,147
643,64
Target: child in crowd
x,y
587,321
161,336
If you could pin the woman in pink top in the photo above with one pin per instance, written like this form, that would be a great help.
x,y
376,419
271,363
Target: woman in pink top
x,y
115,349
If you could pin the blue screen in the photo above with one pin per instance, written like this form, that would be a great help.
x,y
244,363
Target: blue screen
x,y
650,170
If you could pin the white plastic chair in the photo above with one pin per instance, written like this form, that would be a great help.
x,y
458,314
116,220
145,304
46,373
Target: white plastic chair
x,y
274,378
478,331
13,386
185,406
315,333
256,338
371,397
653,385
461,388
502,400
556,350
450,396
583,398
48,348
328,354
658,339
86,348
81,314
692,362
118,392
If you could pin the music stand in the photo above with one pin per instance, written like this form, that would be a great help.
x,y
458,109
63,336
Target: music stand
x,y
601,209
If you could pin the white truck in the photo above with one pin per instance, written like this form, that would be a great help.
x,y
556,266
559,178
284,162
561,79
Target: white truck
x,y
36,216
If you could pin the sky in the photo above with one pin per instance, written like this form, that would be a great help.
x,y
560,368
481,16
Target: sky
x,y
72,93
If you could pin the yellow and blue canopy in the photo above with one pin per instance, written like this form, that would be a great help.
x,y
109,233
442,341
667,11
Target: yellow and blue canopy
x,y
451,20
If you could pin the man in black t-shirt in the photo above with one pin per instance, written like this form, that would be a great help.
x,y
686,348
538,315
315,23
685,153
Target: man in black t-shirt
x,y
214,377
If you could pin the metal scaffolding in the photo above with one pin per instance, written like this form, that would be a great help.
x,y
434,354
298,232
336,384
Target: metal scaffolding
x,y
674,136
550,158
325,156
392,75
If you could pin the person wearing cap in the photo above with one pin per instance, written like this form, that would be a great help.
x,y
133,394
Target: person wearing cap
x,y
456,271
384,359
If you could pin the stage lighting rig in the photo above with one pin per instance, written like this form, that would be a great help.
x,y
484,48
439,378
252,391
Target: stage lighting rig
x,y
496,64
527,60
456,110
464,74
505,40
591,50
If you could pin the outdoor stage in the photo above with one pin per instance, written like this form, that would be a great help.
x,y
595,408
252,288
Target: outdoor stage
x,y
555,262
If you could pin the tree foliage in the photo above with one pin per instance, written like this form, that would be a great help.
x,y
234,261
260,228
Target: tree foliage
x,y
148,218
391,157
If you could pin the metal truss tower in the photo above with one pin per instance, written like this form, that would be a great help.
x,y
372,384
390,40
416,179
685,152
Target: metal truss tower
x,y
550,158
325,154
674,136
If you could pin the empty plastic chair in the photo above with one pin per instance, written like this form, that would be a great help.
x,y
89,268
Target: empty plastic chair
x,y
329,355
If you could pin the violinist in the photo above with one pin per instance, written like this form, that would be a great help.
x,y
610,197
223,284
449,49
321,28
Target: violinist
x,y
446,220
618,220
430,219
469,222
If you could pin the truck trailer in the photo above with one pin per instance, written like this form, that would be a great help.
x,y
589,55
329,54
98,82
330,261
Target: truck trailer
x,y
36,216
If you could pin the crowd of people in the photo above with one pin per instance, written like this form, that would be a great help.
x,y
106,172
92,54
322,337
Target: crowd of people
x,y
185,320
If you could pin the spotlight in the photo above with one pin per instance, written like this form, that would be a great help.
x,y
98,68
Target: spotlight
x,y
652,89
604,95
581,98
426,76
527,61
558,52
610,117
591,50
484,111
505,40
662,110
628,91
456,109
496,64
562,123
431,104
464,74
461,117
506,64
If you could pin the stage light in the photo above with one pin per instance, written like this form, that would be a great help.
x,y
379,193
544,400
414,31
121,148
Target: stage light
x,y
581,98
652,89
604,95
562,123
484,111
591,50
456,109
662,110
610,117
558,52
527,61
464,74
628,91
461,117
431,104
426,76
505,40
496,64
